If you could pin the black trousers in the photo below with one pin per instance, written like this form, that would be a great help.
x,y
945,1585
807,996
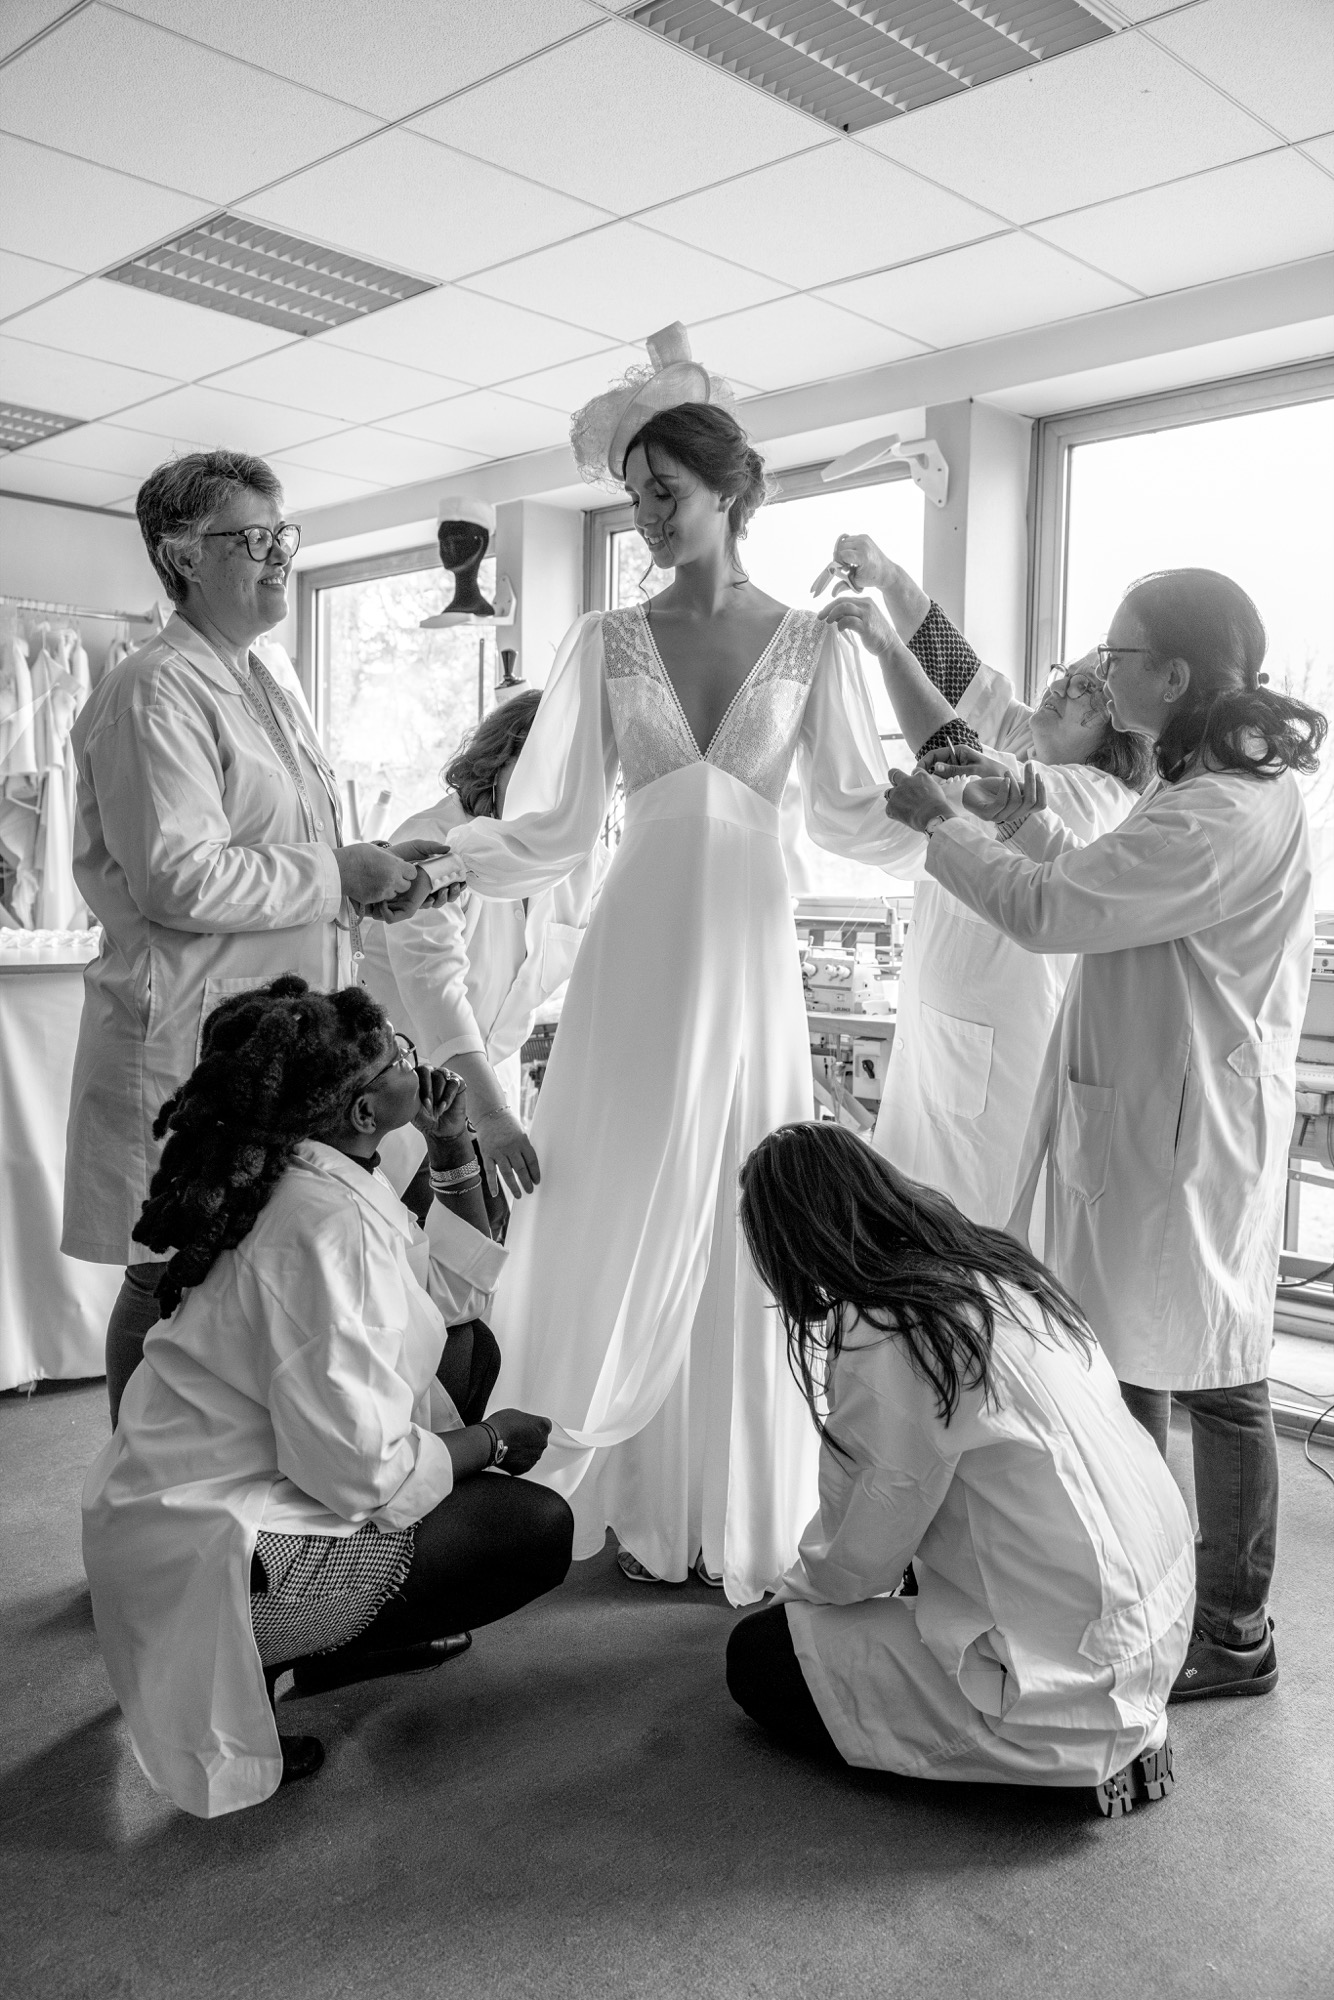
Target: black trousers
x,y
764,1677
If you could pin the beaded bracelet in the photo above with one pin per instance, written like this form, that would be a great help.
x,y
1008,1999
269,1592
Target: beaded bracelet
x,y
444,1178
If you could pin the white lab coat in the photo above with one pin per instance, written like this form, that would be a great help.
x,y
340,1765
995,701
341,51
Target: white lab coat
x,y
293,1391
976,1011
1054,1559
1167,1099
195,852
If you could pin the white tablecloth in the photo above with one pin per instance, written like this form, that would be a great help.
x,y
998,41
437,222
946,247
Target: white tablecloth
x,y
53,1310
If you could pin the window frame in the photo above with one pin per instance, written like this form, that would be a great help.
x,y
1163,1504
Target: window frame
x,y
363,569
799,482
1059,435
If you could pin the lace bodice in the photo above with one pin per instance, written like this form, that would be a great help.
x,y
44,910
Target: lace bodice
x,y
757,737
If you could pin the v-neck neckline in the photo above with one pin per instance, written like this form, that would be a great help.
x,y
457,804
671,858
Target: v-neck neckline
x,y
703,755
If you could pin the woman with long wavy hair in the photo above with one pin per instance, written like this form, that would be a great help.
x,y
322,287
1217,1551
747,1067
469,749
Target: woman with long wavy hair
x,y
1168,1096
292,1479
971,1426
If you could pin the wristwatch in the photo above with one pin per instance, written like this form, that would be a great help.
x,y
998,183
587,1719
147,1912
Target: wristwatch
x,y
500,1451
940,819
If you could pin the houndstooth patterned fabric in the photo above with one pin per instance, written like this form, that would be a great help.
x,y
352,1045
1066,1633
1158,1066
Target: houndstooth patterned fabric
x,y
946,656
324,1590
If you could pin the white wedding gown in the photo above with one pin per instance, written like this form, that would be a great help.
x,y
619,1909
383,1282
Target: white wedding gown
x,y
628,1311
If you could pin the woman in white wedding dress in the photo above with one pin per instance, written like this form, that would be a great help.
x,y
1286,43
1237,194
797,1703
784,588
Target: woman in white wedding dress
x,y
628,1309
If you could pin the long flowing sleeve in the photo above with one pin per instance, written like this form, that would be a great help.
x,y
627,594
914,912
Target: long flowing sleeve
x,y
562,786
842,769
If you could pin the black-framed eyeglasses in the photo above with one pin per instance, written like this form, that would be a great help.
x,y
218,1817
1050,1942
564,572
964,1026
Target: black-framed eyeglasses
x,y
404,1057
286,538
1107,655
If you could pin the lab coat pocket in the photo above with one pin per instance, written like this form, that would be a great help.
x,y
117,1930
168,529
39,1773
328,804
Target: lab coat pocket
x,y
560,947
1084,1123
954,1064
218,990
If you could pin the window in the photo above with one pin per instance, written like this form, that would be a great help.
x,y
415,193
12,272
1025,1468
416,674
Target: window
x,y
789,543
391,701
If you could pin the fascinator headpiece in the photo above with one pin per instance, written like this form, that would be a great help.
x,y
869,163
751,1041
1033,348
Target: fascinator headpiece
x,y
603,431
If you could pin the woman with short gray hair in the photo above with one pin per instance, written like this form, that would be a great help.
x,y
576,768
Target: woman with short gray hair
x,y
208,845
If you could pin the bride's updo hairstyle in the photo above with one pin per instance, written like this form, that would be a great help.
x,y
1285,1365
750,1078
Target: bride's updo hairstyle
x,y
1228,719
709,442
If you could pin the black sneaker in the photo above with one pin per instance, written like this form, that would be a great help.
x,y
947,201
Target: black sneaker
x,y
1146,1778
320,1673
1211,1669
302,1757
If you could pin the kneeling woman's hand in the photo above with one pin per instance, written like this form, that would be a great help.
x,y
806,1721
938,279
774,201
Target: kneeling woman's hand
x,y
524,1437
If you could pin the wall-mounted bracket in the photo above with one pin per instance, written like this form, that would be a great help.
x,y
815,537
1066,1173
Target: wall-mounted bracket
x,y
923,457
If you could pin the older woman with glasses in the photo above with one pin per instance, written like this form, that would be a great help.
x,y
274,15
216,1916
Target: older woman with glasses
x,y
208,845
1166,1103
300,1475
975,1010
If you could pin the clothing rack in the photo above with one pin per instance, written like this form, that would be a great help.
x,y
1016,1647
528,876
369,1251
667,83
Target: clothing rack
x,y
78,611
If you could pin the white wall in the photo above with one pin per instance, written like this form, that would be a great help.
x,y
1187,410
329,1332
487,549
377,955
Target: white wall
x,y
541,550
975,555
75,555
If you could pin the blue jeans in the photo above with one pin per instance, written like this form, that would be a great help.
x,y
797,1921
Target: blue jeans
x,y
1236,1498
135,1311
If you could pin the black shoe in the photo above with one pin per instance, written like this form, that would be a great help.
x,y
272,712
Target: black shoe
x,y
319,1673
1146,1778
1211,1669
302,1757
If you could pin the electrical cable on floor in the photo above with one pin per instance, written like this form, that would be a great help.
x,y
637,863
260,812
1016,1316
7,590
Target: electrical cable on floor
x,y
1296,1284
1279,1383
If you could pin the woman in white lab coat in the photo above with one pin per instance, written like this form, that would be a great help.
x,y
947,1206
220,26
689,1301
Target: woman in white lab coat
x,y
208,846
976,1011
293,1476
465,978
1167,1099
974,1429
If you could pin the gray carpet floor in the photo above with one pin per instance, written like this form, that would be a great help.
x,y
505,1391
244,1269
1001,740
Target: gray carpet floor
x,y
577,1809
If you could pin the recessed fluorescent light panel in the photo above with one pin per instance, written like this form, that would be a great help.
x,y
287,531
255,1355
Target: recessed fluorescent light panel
x,y
254,272
19,426
856,63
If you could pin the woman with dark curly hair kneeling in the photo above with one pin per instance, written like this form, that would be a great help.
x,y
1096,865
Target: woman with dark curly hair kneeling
x,y
293,1480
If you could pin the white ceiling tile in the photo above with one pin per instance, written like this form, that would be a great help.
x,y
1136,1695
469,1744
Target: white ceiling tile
x,y
986,289
70,385
487,423
243,126
794,340
356,388
422,49
479,340
1102,121
827,214
1244,217
626,281
20,20
203,419
404,201
1321,150
131,455
381,457
570,387
303,488
24,280
120,323
614,86
20,474
1277,56
68,212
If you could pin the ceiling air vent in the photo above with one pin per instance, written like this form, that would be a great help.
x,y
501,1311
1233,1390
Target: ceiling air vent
x,y
856,63
254,272
19,426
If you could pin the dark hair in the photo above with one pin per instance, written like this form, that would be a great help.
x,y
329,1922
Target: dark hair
x,y
177,501
1124,754
835,1233
276,1066
1227,719
709,442
481,757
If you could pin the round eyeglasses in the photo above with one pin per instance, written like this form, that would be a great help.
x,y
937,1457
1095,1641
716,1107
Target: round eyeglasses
x,y
1076,684
286,538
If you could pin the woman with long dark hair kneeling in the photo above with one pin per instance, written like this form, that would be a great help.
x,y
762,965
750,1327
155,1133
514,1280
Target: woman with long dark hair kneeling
x,y
293,1476
975,1430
